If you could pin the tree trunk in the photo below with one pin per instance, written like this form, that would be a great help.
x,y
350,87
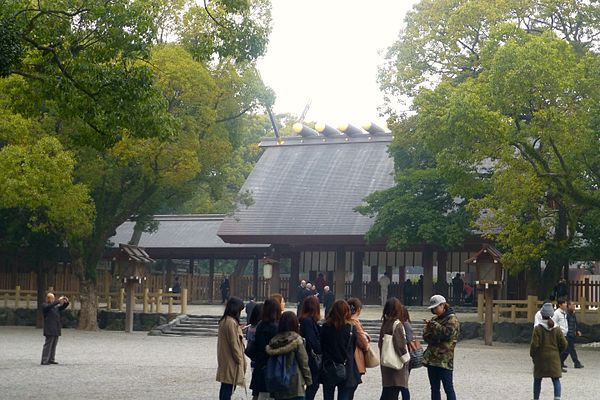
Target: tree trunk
x,y
533,276
42,286
88,315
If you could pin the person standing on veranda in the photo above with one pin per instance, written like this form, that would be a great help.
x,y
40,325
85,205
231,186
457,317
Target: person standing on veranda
x,y
52,326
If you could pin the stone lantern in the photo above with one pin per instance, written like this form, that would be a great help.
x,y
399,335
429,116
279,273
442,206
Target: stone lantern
x,y
132,268
490,276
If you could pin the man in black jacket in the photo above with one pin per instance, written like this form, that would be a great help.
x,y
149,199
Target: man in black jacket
x,y
571,335
52,325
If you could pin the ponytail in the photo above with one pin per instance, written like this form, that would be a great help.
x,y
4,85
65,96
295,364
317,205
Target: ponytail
x,y
551,323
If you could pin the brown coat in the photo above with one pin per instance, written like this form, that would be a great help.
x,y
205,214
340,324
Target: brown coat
x,y
362,345
231,363
390,376
546,347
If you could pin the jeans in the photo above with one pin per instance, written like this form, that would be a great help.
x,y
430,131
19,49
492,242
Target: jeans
x,y
392,393
443,375
226,391
537,387
344,393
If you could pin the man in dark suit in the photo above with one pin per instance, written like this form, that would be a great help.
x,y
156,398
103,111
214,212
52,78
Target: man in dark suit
x,y
52,325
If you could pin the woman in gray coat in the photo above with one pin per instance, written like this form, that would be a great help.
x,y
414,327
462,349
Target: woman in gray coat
x,y
394,381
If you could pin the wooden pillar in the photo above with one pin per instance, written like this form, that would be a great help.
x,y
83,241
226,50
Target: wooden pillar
x,y
276,277
130,306
442,285
390,271
489,313
294,272
190,279
374,273
255,278
427,274
401,280
168,283
211,278
340,273
357,279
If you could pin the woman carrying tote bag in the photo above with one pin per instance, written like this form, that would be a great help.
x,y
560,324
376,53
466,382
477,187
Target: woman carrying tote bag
x,y
394,381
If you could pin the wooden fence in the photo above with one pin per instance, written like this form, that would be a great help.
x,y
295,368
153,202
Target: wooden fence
x,y
150,301
523,311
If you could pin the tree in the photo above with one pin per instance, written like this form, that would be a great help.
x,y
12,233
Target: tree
x,y
503,99
141,120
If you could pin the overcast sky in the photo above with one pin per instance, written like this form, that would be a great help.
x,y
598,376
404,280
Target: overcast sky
x,y
328,51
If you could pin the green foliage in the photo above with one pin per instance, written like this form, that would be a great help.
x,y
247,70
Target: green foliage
x,y
102,120
506,113
227,29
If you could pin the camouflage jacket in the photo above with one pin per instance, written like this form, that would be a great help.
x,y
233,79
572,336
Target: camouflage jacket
x,y
441,335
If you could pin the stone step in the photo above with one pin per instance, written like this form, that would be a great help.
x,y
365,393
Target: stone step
x,y
207,325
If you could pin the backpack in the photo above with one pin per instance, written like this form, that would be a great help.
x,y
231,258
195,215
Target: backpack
x,y
279,377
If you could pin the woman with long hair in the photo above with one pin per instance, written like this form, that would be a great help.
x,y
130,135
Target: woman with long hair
x,y
288,342
231,363
309,329
441,334
547,343
338,342
394,381
265,331
279,298
253,321
362,338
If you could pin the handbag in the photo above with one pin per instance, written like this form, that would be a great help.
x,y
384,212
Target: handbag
x,y
317,358
389,356
416,354
333,372
371,358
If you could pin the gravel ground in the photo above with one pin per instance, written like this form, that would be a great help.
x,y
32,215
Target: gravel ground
x,y
104,365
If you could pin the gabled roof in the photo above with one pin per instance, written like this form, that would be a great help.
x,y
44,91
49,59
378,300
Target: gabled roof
x,y
135,253
191,232
486,249
305,191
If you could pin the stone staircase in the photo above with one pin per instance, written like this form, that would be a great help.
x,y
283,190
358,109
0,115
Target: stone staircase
x,y
372,328
208,325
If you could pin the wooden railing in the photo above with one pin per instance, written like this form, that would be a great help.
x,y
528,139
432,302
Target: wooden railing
x,y
152,302
524,311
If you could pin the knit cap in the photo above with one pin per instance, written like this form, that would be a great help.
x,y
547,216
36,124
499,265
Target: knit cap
x,y
547,310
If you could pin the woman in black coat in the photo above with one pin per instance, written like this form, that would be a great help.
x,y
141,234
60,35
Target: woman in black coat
x,y
338,342
309,329
256,350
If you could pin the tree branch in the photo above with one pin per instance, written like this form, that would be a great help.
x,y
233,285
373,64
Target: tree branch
x,y
244,111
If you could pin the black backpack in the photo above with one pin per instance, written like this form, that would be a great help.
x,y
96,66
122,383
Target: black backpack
x,y
279,377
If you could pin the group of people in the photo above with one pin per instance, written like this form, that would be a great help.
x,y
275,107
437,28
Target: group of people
x,y
320,290
308,354
552,342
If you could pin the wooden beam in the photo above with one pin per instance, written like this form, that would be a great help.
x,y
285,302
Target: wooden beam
x,y
340,273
